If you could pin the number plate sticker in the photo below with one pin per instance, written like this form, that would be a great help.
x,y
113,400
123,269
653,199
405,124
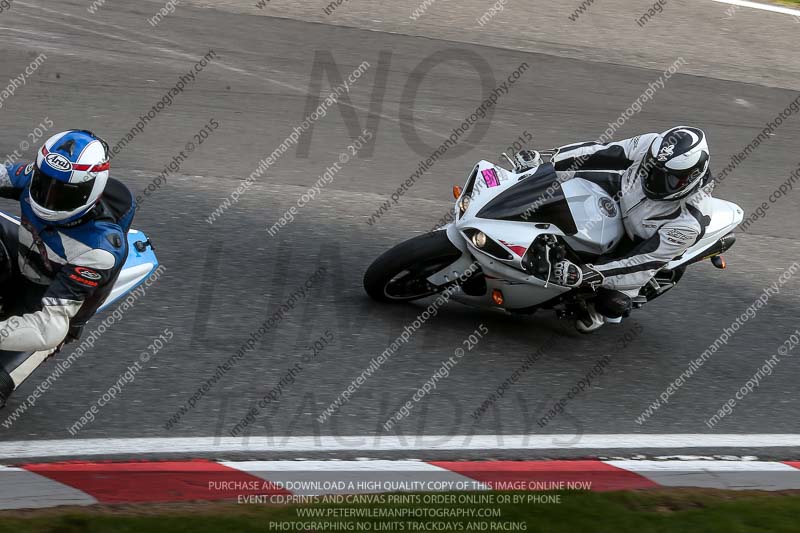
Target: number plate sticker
x,y
490,177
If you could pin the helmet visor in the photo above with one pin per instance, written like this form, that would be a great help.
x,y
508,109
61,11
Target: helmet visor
x,y
59,196
661,182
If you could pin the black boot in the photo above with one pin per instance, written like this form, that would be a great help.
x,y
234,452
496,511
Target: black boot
x,y
6,265
6,387
589,320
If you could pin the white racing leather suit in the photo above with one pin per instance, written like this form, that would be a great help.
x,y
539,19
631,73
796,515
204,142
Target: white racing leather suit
x,y
660,230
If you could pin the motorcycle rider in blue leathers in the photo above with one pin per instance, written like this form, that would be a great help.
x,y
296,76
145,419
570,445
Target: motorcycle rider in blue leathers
x,y
60,263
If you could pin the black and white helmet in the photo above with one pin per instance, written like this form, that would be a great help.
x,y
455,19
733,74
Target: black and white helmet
x,y
676,164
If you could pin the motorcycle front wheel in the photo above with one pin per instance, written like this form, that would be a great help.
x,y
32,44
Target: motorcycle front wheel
x,y
400,274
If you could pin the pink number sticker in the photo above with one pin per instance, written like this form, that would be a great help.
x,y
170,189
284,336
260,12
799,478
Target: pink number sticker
x,y
490,177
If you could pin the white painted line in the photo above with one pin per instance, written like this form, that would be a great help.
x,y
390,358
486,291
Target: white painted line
x,y
730,475
700,465
194,445
763,7
377,465
23,489
308,478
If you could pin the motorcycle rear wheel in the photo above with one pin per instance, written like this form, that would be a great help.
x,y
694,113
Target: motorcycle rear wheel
x,y
400,274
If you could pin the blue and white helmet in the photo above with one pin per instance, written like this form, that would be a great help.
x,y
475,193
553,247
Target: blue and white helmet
x,y
70,174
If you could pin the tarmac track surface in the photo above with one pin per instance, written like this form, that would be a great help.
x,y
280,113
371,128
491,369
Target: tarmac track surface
x,y
223,279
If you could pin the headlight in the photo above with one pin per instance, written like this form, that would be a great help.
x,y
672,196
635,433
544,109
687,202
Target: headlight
x,y
463,204
486,245
479,239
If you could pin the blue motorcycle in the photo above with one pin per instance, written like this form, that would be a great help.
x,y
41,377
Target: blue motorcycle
x,y
139,265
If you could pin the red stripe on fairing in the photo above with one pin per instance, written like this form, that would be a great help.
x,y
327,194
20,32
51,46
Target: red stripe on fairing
x,y
517,249
793,464
602,476
154,481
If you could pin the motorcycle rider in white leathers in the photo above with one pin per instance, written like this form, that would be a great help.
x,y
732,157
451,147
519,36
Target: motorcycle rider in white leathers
x,y
660,182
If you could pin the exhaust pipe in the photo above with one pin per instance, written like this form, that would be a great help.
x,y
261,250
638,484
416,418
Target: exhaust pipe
x,y
716,249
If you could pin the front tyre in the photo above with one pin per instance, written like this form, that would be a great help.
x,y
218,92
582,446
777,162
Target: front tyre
x,y
400,274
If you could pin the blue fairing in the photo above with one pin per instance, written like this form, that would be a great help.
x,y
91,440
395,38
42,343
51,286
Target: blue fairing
x,y
137,268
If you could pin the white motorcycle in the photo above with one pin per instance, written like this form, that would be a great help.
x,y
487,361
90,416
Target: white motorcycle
x,y
512,226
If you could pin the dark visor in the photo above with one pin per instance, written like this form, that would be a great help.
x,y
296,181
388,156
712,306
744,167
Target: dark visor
x,y
59,196
660,182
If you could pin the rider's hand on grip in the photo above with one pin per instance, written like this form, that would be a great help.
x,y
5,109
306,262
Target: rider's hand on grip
x,y
591,278
527,159
569,274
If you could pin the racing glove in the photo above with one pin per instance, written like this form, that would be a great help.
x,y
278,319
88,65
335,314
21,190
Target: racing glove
x,y
569,274
527,159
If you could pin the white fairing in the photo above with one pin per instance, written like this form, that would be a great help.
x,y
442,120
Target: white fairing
x,y
597,217
520,290
725,216
128,278
598,220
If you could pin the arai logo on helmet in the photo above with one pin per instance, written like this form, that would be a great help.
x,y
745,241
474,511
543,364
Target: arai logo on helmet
x,y
58,162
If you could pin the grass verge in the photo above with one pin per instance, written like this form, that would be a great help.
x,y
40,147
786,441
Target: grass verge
x,y
659,510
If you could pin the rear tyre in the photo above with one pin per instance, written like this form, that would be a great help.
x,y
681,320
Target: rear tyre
x,y
400,274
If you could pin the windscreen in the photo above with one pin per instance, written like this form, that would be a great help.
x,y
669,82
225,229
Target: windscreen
x,y
535,199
